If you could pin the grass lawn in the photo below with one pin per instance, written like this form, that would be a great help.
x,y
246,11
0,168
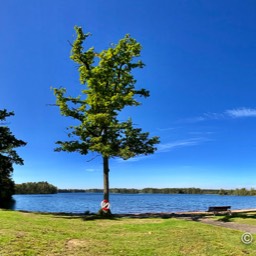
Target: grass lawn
x,y
41,234
243,218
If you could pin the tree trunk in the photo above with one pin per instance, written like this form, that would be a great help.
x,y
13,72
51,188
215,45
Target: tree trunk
x,y
106,178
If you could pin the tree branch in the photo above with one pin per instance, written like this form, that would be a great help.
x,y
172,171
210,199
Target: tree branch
x,y
92,159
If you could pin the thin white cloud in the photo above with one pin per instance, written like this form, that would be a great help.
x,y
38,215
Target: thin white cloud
x,y
214,116
241,112
90,170
166,129
203,117
166,147
132,159
192,119
230,113
200,133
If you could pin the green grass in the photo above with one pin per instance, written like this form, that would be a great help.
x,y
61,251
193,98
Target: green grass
x,y
40,234
243,218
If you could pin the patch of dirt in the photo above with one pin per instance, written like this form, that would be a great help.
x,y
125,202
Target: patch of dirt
x,y
74,243
20,234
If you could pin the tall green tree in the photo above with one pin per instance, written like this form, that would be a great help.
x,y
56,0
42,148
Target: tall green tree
x,y
8,157
41,187
109,88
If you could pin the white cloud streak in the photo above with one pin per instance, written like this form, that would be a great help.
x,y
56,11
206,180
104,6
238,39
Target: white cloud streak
x,y
90,170
166,129
204,117
132,159
241,112
230,113
166,147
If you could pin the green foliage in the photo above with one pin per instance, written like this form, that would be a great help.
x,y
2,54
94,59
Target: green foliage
x,y
145,190
173,190
8,157
41,187
109,88
239,192
223,192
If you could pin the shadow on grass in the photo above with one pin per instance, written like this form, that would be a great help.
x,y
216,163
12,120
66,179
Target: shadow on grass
x,y
8,204
93,216
88,216
83,216
229,218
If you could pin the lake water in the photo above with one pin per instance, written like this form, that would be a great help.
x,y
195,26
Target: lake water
x,y
129,203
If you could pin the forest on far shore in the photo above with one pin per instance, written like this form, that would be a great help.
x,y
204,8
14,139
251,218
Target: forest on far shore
x,y
44,187
239,192
41,187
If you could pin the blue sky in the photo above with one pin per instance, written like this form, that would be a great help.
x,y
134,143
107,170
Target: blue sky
x,y
200,69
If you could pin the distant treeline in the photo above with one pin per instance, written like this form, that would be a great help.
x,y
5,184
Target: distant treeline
x,y
145,191
239,192
41,187
44,187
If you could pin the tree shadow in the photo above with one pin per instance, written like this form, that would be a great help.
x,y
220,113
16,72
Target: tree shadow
x,y
88,216
8,204
229,218
185,216
82,216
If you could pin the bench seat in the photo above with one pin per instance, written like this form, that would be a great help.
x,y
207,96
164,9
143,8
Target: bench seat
x,y
217,209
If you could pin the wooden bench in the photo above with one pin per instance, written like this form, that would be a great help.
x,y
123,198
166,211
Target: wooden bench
x,y
217,209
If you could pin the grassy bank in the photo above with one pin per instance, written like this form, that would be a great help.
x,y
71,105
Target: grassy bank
x,y
242,218
40,234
